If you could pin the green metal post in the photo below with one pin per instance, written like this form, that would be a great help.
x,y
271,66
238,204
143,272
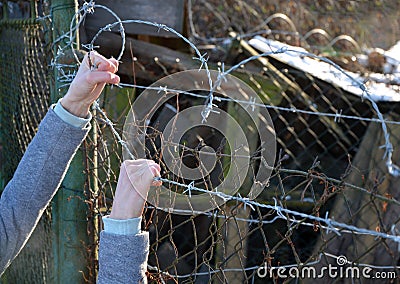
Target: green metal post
x,y
69,211
2,185
5,10
34,10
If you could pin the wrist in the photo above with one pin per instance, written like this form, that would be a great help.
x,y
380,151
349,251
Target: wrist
x,y
78,109
122,227
69,117
123,213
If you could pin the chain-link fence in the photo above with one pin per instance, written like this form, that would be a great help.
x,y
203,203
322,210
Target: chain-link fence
x,y
24,100
325,165
329,195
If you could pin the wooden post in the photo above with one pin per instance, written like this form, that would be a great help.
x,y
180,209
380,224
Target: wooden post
x,y
69,209
92,193
5,10
2,181
232,251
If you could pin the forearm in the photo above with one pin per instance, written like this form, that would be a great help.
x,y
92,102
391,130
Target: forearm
x,y
123,258
35,182
123,249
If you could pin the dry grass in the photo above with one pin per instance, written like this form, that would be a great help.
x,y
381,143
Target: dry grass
x,y
372,23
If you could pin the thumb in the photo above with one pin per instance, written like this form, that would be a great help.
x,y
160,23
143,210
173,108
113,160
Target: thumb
x,y
97,77
155,170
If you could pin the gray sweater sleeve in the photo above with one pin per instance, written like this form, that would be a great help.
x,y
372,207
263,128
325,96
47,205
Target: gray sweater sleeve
x,y
123,258
36,180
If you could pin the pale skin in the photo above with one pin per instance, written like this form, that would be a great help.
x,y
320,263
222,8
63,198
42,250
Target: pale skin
x,y
135,179
136,176
89,83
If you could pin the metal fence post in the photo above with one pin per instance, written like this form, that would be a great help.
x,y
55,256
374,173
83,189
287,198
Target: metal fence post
x,y
2,181
69,210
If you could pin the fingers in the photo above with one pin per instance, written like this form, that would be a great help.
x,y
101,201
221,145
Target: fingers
x,y
142,162
148,167
155,171
110,65
104,70
89,82
96,61
97,77
134,182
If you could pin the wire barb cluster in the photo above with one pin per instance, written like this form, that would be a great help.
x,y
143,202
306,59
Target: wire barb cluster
x,y
279,211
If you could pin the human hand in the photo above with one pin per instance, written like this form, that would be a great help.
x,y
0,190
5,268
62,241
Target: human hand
x,y
135,179
89,83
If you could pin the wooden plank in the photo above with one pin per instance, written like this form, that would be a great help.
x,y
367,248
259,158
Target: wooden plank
x,y
282,80
69,225
232,252
355,208
369,160
167,12
145,54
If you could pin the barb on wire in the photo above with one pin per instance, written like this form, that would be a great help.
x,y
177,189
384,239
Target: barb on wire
x,y
264,265
251,102
392,168
332,224
279,216
114,131
326,223
200,57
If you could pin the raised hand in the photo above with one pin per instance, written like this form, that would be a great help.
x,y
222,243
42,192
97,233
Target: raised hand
x,y
94,73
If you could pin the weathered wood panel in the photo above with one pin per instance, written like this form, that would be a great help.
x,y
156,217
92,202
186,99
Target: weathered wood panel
x,y
361,210
146,55
167,12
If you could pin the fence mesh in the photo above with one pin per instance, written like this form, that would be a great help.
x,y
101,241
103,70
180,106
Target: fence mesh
x,y
24,96
323,165
328,168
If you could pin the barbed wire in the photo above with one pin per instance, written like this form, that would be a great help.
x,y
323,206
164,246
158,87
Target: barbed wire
x,y
272,268
114,131
211,102
89,7
331,225
251,102
292,221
